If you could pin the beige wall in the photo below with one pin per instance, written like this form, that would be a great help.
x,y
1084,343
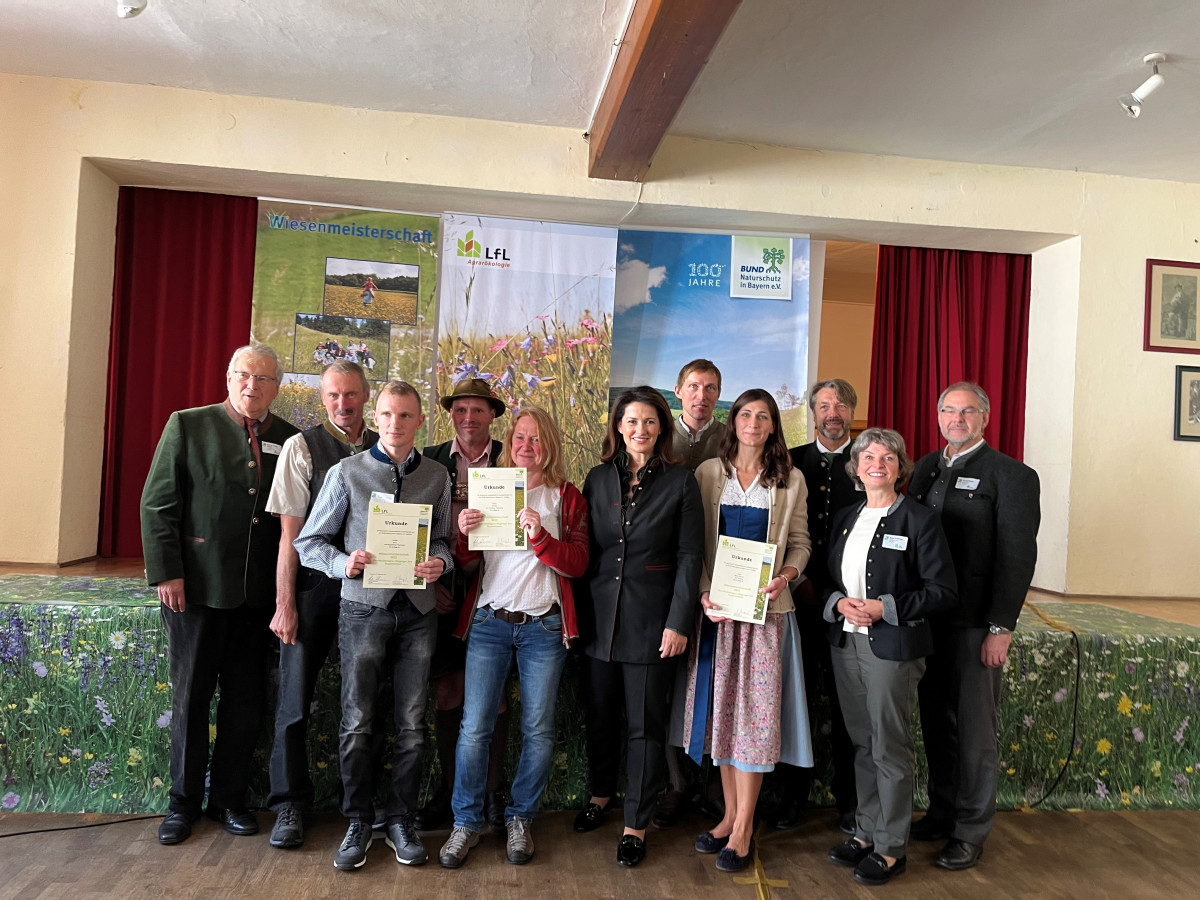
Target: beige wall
x,y
845,349
55,274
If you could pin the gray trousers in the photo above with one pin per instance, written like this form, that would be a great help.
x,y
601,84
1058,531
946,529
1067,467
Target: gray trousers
x,y
958,722
877,697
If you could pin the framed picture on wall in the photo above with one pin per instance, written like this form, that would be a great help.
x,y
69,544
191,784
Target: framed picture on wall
x,y
1187,403
1171,306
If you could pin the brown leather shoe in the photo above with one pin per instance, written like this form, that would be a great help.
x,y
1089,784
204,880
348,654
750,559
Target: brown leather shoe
x,y
669,809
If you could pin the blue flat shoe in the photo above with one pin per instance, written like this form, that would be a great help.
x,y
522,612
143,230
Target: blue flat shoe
x,y
706,843
728,861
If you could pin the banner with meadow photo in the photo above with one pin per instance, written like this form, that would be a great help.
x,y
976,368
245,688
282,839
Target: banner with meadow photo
x,y
739,300
527,307
334,283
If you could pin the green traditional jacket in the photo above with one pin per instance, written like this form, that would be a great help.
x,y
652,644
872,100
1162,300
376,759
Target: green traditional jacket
x,y
203,508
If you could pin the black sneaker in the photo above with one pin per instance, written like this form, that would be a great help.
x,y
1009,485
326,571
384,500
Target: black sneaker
x,y
353,852
289,828
402,837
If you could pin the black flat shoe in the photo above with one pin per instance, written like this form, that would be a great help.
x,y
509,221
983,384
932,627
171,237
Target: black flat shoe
x,y
175,828
850,853
631,851
729,861
874,870
590,818
958,855
235,821
706,843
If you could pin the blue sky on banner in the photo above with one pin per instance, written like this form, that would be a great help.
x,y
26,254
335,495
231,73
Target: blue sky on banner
x,y
670,308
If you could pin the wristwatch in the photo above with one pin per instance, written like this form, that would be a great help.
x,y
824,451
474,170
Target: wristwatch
x,y
999,629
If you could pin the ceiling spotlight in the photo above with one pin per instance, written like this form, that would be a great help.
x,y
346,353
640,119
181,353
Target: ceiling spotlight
x,y
1132,103
127,9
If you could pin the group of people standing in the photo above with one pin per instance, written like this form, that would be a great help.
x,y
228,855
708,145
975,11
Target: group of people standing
x,y
876,599
328,352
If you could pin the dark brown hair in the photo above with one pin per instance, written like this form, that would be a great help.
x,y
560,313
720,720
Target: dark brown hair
x,y
777,462
614,443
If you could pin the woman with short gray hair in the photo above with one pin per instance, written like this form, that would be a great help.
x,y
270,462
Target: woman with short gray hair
x,y
891,568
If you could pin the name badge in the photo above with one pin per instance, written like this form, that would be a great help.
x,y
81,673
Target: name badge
x,y
273,449
382,497
895,542
967,484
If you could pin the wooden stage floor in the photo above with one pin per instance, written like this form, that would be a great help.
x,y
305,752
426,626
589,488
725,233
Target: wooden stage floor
x,y
1039,854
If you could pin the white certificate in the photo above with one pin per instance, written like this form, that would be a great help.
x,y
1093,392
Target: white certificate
x,y
499,494
397,539
740,574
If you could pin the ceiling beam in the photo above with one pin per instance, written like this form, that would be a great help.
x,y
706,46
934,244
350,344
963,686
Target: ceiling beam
x,y
664,48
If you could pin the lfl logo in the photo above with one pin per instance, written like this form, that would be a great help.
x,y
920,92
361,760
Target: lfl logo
x,y
471,248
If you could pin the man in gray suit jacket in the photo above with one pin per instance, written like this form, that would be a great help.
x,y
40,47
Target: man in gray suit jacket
x,y
990,514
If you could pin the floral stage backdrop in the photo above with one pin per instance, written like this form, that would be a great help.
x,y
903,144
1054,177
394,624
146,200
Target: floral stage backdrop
x,y
85,708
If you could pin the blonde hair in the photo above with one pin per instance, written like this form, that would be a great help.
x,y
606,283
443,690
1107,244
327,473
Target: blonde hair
x,y
554,468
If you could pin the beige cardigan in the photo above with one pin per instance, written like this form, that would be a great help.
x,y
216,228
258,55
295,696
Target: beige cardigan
x,y
787,526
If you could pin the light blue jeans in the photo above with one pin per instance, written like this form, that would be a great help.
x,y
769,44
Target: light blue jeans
x,y
540,657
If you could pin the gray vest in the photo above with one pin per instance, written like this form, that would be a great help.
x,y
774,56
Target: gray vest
x,y
426,482
326,451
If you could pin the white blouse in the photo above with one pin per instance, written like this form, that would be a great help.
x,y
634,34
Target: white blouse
x,y
854,559
516,580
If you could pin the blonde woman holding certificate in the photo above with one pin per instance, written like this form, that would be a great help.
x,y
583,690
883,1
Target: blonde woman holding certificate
x,y
745,699
521,603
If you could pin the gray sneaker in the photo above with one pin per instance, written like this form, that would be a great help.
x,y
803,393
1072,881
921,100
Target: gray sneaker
x,y
520,841
289,828
402,837
353,852
454,851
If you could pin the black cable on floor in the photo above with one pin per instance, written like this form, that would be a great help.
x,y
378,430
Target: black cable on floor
x,y
1074,723
78,827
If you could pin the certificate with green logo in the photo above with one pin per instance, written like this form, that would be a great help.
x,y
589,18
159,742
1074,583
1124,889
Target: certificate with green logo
x,y
500,495
397,539
740,575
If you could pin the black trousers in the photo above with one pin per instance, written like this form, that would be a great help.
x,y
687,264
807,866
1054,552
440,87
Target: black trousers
x,y
299,665
959,697
644,692
210,648
819,682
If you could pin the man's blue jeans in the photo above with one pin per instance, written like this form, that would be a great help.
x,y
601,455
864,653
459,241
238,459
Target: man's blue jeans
x,y
376,644
540,657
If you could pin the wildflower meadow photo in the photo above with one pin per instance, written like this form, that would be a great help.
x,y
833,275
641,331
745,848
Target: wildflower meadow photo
x,y
527,307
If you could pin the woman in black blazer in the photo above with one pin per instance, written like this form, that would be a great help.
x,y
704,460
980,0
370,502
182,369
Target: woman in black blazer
x,y
637,605
891,568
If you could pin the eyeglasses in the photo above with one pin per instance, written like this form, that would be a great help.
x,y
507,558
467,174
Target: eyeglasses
x,y
244,377
967,412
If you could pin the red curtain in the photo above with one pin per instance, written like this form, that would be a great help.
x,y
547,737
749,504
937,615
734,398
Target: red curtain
x,y
943,316
181,304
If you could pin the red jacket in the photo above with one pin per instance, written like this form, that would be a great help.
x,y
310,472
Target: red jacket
x,y
567,556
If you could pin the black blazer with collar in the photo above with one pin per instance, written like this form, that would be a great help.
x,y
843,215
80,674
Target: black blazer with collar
x,y
644,565
830,489
913,583
991,529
